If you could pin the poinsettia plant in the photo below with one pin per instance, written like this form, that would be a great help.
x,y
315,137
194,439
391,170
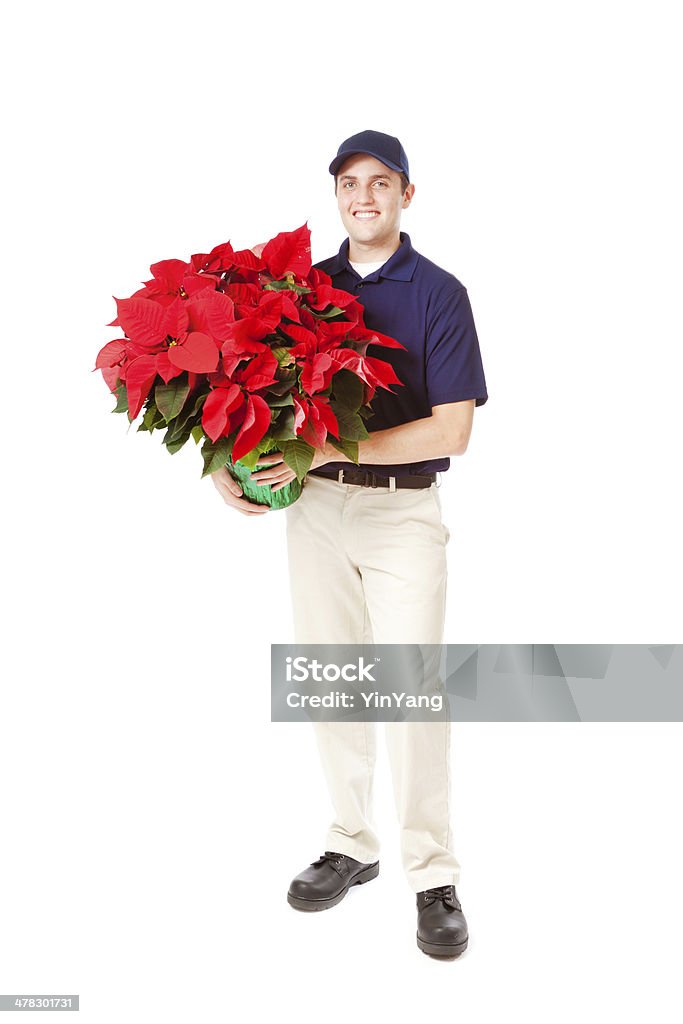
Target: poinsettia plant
x,y
247,354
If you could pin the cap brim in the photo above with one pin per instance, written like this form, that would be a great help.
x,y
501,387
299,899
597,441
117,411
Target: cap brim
x,y
339,160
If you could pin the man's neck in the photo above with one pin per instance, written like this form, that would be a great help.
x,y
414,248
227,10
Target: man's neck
x,y
359,253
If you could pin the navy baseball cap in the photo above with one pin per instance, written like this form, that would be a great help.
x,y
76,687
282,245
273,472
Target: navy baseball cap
x,y
386,148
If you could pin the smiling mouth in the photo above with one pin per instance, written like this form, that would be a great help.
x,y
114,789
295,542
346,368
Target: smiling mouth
x,y
366,215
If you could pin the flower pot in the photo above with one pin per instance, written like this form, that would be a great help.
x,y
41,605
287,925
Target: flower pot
x,y
262,494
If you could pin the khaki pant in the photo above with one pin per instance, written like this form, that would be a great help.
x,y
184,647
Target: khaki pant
x,y
368,565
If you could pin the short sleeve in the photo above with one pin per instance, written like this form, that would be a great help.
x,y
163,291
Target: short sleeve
x,y
454,369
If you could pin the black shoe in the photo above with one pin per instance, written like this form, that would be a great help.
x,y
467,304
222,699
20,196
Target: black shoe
x,y
441,924
327,880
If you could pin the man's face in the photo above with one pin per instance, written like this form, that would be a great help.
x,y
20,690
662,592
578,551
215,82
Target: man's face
x,y
365,185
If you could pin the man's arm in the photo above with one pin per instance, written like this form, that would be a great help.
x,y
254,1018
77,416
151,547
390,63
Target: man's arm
x,y
446,432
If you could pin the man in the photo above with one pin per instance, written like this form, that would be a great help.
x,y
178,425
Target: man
x,y
367,547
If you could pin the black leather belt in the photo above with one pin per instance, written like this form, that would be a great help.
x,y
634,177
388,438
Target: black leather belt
x,y
366,478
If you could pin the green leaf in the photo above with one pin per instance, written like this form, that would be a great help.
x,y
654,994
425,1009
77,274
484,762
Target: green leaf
x,y
283,355
150,413
171,397
152,418
215,455
280,401
250,459
197,433
284,285
333,311
348,389
185,422
351,426
121,398
349,448
177,443
298,455
283,430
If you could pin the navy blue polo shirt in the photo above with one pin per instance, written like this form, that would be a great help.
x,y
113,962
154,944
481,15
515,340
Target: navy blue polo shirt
x,y
428,310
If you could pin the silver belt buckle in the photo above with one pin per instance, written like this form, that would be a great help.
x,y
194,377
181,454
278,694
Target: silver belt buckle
x,y
392,484
340,476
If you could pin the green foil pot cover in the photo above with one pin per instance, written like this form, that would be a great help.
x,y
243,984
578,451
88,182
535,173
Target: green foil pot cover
x,y
263,494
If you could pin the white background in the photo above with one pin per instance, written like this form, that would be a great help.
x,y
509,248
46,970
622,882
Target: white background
x,y
151,815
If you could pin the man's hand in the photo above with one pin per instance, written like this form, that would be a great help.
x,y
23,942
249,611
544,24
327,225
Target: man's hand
x,y
232,494
279,474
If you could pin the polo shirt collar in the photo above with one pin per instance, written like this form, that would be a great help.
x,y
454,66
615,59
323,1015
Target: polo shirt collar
x,y
399,267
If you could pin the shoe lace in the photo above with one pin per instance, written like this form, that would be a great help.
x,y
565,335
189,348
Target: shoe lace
x,y
441,892
335,858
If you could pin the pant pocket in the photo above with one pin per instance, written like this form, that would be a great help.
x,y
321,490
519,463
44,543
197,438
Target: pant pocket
x,y
436,498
